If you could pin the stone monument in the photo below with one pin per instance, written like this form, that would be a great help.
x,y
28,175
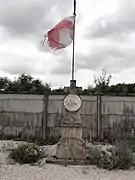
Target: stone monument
x,y
71,147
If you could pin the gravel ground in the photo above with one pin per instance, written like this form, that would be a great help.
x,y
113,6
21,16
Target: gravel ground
x,y
54,172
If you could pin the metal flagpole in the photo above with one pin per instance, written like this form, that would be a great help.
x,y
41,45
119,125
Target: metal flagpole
x,y
73,55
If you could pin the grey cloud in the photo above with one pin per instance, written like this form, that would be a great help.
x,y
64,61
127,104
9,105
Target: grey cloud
x,y
82,61
17,64
112,35
122,22
31,18
22,19
111,57
63,67
61,70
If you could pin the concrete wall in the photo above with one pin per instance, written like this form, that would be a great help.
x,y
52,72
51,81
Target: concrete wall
x,y
21,116
118,117
39,117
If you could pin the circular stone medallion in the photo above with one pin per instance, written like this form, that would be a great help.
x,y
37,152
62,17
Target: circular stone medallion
x,y
72,102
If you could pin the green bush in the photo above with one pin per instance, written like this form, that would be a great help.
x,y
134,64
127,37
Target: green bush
x,y
27,153
111,158
106,159
123,158
119,158
93,154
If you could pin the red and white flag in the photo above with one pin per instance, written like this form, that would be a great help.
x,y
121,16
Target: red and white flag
x,y
61,35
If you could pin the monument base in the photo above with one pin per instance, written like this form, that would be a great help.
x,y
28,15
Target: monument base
x,y
71,144
67,161
71,149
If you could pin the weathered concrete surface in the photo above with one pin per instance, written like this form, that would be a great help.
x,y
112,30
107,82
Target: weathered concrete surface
x,y
21,125
71,148
71,144
23,116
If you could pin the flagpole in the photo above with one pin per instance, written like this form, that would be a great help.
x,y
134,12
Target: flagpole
x,y
73,55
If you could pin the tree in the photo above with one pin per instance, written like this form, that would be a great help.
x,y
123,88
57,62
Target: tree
x,y
47,86
4,82
28,85
90,89
102,82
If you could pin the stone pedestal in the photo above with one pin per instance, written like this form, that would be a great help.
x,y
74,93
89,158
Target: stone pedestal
x,y
71,145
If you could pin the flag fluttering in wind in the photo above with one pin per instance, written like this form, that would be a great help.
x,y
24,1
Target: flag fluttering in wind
x,y
61,35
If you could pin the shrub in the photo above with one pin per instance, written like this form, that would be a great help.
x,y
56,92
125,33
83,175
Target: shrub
x,y
110,157
27,153
119,158
123,158
93,154
106,159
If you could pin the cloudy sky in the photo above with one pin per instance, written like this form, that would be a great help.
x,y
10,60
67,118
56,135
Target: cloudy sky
x,y
105,39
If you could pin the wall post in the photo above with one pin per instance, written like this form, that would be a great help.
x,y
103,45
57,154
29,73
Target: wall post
x,y
45,116
99,117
